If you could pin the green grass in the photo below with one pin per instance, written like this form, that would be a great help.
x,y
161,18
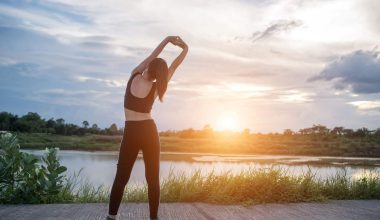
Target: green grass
x,y
250,186
86,142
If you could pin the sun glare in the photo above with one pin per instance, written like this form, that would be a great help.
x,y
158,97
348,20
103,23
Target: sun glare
x,y
227,121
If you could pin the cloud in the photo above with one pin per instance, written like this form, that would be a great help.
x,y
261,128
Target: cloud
x,y
108,82
279,26
72,58
295,96
65,97
358,71
366,105
371,10
273,29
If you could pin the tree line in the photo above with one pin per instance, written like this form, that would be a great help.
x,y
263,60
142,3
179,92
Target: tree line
x,y
317,131
33,123
322,130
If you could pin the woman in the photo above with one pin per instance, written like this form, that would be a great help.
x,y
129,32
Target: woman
x,y
140,131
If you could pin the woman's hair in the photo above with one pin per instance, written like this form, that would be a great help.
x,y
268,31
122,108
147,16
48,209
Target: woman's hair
x,y
158,69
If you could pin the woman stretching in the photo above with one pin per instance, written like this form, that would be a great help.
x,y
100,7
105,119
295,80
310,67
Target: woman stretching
x,y
140,131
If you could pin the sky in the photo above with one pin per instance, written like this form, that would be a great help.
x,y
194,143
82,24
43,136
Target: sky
x,y
264,65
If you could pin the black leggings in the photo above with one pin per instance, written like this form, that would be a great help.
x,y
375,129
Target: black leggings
x,y
138,135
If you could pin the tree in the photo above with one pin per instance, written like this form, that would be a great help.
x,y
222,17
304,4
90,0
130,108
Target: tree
x,y
207,131
8,121
305,131
337,131
361,132
94,126
246,132
60,126
187,133
94,129
50,126
72,129
85,124
320,129
348,132
31,122
112,130
288,132
377,132
60,121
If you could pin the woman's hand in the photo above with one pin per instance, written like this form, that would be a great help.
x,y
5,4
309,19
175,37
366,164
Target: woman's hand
x,y
181,43
172,39
177,41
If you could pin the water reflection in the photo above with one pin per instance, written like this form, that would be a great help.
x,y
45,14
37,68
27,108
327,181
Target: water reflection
x,y
100,167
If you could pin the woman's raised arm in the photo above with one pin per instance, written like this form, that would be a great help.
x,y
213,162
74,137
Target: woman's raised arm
x,y
144,64
177,61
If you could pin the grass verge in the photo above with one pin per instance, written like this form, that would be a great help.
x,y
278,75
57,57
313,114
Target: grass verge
x,y
250,186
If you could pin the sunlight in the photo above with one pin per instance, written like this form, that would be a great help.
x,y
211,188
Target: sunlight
x,y
365,174
227,121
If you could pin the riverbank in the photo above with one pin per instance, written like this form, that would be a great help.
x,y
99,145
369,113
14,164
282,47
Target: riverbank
x,y
334,209
252,185
275,145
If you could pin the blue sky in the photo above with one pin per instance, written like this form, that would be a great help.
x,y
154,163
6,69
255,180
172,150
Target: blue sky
x,y
262,65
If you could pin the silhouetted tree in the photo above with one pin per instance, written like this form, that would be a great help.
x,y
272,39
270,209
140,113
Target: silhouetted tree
x,y
85,124
337,131
112,130
207,131
246,132
187,133
377,132
361,132
50,126
94,129
31,122
288,132
8,121
320,129
348,132
60,126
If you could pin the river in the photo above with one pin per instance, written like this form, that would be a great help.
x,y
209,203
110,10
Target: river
x,y
100,167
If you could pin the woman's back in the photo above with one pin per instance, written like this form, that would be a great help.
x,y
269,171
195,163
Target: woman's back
x,y
139,98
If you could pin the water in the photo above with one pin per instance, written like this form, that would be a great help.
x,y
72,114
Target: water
x,y
100,167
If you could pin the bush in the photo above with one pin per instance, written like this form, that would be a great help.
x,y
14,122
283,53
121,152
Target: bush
x,y
22,179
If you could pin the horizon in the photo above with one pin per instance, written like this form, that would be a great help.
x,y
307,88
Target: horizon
x,y
206,126
262,65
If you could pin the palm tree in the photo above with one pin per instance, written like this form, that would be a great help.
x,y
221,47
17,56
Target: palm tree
x,y
85,124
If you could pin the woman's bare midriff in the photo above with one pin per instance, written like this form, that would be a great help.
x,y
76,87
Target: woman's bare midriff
x,y
131,115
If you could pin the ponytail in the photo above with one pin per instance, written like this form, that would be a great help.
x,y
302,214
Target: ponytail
x,y
158,69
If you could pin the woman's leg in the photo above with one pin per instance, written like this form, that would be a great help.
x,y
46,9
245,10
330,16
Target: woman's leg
x,y
151,152
127,157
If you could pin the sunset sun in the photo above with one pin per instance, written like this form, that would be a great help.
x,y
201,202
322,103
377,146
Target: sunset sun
x,y
227,121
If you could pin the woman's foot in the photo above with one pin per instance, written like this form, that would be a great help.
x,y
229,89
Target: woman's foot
x,y
111,217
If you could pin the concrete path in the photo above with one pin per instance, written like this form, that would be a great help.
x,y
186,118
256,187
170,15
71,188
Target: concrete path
x,y
333,209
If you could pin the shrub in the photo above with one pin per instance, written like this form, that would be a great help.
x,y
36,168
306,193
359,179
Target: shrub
x,y
23,179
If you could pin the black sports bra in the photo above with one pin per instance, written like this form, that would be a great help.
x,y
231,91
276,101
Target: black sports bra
x,y
138,104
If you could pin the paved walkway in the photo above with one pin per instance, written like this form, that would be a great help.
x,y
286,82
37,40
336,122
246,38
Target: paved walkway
x,y
333,209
